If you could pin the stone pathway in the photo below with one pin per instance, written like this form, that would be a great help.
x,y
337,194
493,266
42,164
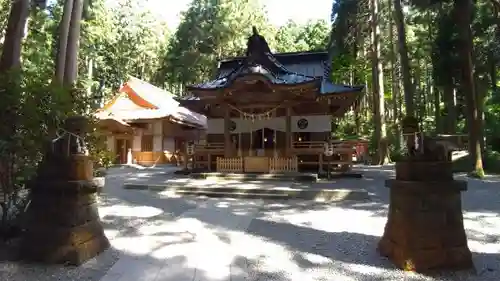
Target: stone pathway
x,y
194,246
162,238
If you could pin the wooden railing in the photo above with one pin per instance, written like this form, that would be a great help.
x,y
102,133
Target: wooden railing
x,y
283,164
308,144
461,141
308,147
209,147
229,165
148,157
344,147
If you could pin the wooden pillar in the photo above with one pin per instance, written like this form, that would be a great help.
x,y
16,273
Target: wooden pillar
x,y
320,168
240,151
275,139
209,159
227,135
263,143
250,148
288,132
186,156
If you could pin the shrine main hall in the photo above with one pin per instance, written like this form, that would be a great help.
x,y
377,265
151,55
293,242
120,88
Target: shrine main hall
x,y
270,113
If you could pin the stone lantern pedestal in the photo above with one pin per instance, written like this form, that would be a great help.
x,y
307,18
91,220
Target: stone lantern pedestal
x,y
424,229
62,223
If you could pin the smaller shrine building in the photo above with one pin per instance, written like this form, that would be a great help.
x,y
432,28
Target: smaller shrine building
x,y
145,125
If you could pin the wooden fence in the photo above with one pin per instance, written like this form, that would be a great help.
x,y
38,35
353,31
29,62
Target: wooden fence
x,y
229,165
283,164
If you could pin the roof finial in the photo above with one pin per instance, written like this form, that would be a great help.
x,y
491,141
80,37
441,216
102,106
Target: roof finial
x,y
257,43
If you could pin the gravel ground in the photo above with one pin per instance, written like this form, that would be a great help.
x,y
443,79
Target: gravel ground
x,y
114,202
315,241
290,240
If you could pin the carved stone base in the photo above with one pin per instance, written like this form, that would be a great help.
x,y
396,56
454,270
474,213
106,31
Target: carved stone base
x,y
425,230
63,224
424,171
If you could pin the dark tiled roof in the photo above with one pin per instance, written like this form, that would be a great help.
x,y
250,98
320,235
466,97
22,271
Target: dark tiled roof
x,y
266,65
329,88
279,69
326,87
283,58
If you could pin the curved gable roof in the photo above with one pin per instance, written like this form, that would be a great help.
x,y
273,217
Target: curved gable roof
x,y
152,102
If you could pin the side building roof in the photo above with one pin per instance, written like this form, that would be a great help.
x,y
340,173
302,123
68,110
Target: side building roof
x,y
138,100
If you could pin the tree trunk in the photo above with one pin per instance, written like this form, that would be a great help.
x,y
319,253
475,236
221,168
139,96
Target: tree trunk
x,y
378,87
481,90
90,73
437,110
11,49
403,54
450,108
355,74
63,41
420,101
71,67
463,13
394,82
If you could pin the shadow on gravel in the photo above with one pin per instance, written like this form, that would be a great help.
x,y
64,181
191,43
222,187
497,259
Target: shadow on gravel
x,y
353,249
345,253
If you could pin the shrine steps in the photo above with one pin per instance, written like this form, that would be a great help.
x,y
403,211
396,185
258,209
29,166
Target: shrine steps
x,y
285,177
292,177
295,191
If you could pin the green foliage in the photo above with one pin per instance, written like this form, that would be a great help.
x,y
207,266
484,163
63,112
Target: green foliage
x,y
478,174
34,110
211,30
491,163
492,126
292,37
99,153
445,57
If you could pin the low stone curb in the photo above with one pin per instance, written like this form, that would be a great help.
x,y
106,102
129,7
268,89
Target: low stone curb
x,y
315,194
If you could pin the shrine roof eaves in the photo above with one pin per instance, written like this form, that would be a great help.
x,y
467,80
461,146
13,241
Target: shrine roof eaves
x,y
328,88
276,79
267,65
283,58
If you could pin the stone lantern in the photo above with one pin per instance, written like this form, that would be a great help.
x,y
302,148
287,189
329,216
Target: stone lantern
x,y
424,229
63,224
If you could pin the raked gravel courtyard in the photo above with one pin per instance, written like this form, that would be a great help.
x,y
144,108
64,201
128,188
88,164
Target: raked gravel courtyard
x,y
157,237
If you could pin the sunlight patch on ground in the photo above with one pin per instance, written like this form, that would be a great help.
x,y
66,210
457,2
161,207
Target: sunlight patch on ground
x,y
178,180
140,246
290,240
111,233
364,269
481,215
129,211
483,231
334,219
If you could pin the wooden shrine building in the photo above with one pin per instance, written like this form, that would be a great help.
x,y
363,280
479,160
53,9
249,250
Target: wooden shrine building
x,y
144,124
270,113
